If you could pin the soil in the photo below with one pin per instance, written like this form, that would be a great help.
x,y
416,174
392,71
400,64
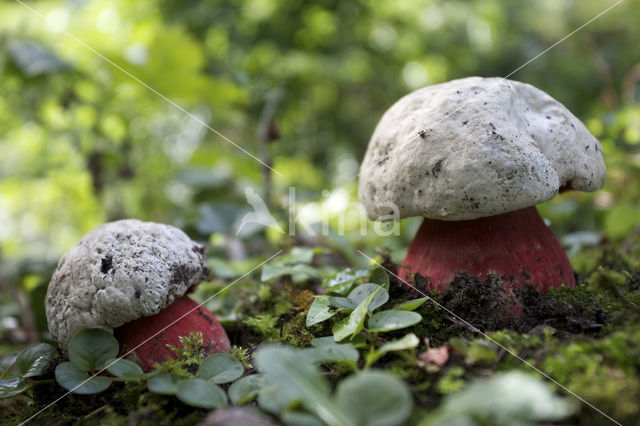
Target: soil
x,y
480,303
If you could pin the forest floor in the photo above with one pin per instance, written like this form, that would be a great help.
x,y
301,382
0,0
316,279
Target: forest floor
x,y
587,339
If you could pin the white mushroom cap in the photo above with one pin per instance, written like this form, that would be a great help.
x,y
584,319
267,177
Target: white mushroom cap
x,y
476,147
119,272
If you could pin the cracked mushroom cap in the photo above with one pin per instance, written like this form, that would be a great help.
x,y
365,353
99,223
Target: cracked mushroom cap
x,y
476,147
119,272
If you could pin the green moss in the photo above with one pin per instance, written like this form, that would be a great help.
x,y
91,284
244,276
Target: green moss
x,y
400,369
190,355
296,333
265,325
243,355
608,256
191,347
452,381
264,292
599,364
603,372
609,282
111,418
584,296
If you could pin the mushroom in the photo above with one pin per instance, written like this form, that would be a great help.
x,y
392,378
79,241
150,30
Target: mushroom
x,y
131,278
473,157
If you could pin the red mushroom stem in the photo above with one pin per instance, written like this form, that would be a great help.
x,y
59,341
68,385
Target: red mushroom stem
x,y
516,245
158,329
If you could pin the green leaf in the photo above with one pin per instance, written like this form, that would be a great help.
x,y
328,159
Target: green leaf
x,y
245,389
360,396
410,305
297,255
481,351
33,58
222,268
73,379
124,368
332,353
392,320
271,399
13,386
324,307
270,272
300,418
220,368
353,324
379,276
409,341
342,282
620,220
319,342
512,398
34,359
201,393
164,384
297,378
363,291
6,364
460,345
91,348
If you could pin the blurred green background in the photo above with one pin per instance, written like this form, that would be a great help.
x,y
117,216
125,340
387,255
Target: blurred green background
x,y
300,85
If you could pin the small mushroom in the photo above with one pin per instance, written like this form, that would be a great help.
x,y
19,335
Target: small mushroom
x,y
131,278
496,149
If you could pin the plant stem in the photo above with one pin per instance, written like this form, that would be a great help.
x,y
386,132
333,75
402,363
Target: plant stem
x,y
42,382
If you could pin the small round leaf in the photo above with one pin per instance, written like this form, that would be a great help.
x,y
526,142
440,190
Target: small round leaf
x,y
363,291
410,305
300,418
344,281
34,359
164,384
220,368
272,399
7,365
11,387
392,320
359,395
379,276
245,390
91,348
332,353
325,307
78,381
124,368
201,393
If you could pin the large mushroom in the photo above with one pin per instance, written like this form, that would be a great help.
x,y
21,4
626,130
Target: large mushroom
x,y
131,278
473,157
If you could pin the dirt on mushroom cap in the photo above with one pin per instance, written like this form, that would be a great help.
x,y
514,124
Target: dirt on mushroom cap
x,y
475,147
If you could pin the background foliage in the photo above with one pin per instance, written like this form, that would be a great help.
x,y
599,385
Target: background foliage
x,y
300,85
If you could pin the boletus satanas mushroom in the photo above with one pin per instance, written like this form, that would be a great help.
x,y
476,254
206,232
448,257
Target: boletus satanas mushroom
x,y
131,278
474,157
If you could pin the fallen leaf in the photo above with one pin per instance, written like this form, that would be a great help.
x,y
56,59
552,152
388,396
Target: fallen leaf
x,y
303,298
435,356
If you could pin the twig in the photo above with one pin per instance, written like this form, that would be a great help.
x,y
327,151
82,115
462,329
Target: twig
x,y
96,411
267,132
625,246
28,320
